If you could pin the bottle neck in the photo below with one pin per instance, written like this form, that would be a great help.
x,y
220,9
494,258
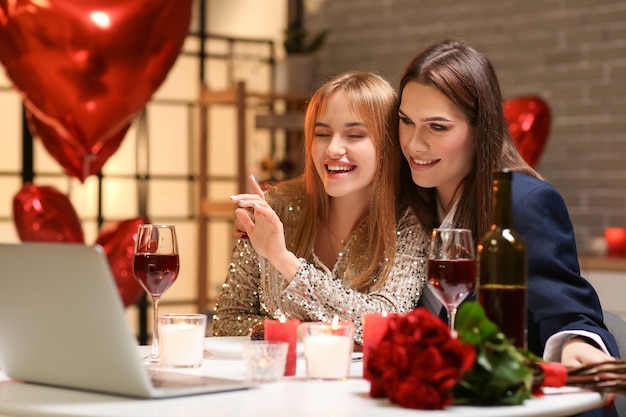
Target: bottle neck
x,y
502,207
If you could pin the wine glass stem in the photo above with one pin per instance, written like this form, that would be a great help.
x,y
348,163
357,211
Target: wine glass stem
x,y
155,331
451,320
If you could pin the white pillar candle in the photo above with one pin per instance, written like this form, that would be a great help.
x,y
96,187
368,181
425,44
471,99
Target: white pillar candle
x,y
328,356
181,344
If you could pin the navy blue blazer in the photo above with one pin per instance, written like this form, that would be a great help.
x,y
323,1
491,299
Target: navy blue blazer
x,y
559,298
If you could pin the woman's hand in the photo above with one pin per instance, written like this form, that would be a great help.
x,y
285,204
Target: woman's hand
x,y
577,352
265,230
239,231
263,227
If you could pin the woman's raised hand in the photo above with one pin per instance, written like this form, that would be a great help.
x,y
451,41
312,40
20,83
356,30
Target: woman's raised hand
x,y
244,214
239,231
264,229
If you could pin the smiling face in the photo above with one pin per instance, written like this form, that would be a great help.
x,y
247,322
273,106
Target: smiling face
x,y
343,151
436,140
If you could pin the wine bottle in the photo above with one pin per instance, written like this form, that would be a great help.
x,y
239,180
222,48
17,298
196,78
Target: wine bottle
x,y
502,266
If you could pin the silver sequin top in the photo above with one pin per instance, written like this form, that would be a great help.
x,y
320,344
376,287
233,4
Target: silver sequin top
x,y
254,290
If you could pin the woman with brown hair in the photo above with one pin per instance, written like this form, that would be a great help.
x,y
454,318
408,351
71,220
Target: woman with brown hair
x,y
454,135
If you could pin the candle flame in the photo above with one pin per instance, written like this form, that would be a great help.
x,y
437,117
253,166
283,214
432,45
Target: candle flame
x,y
384,313
335,323
282,318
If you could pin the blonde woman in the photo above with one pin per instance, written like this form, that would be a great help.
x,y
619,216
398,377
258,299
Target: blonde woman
x,y
333,241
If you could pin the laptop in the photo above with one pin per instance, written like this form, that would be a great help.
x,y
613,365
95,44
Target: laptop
x,y
62,323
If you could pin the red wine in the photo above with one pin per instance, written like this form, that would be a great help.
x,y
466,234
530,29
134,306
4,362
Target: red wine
x,y
155,272
451,279
499,301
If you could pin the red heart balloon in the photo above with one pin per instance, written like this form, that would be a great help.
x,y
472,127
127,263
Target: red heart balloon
x,y
86,67
118,241
44,214
528,119
77,162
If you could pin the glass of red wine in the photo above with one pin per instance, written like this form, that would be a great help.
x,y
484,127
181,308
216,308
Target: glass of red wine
x,y
156,266
451,268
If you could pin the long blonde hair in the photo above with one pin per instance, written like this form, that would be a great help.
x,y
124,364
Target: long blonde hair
x,y
374,99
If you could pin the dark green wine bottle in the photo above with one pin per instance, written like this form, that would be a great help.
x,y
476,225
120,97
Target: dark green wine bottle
x,y
502,266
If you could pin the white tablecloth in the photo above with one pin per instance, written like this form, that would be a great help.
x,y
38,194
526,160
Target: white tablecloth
x,y
293,396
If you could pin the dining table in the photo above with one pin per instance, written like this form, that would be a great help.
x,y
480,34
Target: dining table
x,y
294,396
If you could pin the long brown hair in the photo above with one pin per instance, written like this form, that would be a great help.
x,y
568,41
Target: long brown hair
x,y
374,99
467,78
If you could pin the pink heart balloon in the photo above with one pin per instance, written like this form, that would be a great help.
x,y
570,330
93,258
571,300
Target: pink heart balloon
x,y
86,67
528,119
44,214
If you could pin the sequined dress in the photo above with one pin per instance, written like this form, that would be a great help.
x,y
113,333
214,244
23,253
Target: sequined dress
x,y
254,290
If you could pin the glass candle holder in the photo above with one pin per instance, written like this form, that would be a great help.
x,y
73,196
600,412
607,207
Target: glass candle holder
x,y
327,349
264,361
181,342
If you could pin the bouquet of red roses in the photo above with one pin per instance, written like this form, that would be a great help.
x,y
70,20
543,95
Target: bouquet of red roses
x,y
419,364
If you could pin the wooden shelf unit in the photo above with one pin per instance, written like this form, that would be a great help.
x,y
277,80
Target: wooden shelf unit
x,y
290,120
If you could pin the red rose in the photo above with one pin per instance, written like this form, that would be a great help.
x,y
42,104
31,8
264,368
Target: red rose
x,y
418,362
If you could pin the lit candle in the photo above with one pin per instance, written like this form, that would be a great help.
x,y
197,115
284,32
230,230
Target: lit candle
x,y
181,345
374,328
615,238
328,349
284,330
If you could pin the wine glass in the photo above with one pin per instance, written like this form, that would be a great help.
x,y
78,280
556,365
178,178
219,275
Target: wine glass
x,y
451,268
155,266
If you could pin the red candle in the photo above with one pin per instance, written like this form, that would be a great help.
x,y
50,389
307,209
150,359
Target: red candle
x,y
615,238
374,328
284,331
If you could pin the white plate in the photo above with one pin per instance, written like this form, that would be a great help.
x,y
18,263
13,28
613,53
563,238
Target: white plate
x,y
225,346
231,346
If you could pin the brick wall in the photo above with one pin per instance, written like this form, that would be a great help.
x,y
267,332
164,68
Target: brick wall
x,y
570,52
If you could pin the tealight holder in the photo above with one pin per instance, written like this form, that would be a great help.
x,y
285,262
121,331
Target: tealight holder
x,y
264,361
181,340
327,349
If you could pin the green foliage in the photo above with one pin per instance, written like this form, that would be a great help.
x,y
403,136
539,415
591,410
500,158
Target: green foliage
x,y
297,41
501,375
